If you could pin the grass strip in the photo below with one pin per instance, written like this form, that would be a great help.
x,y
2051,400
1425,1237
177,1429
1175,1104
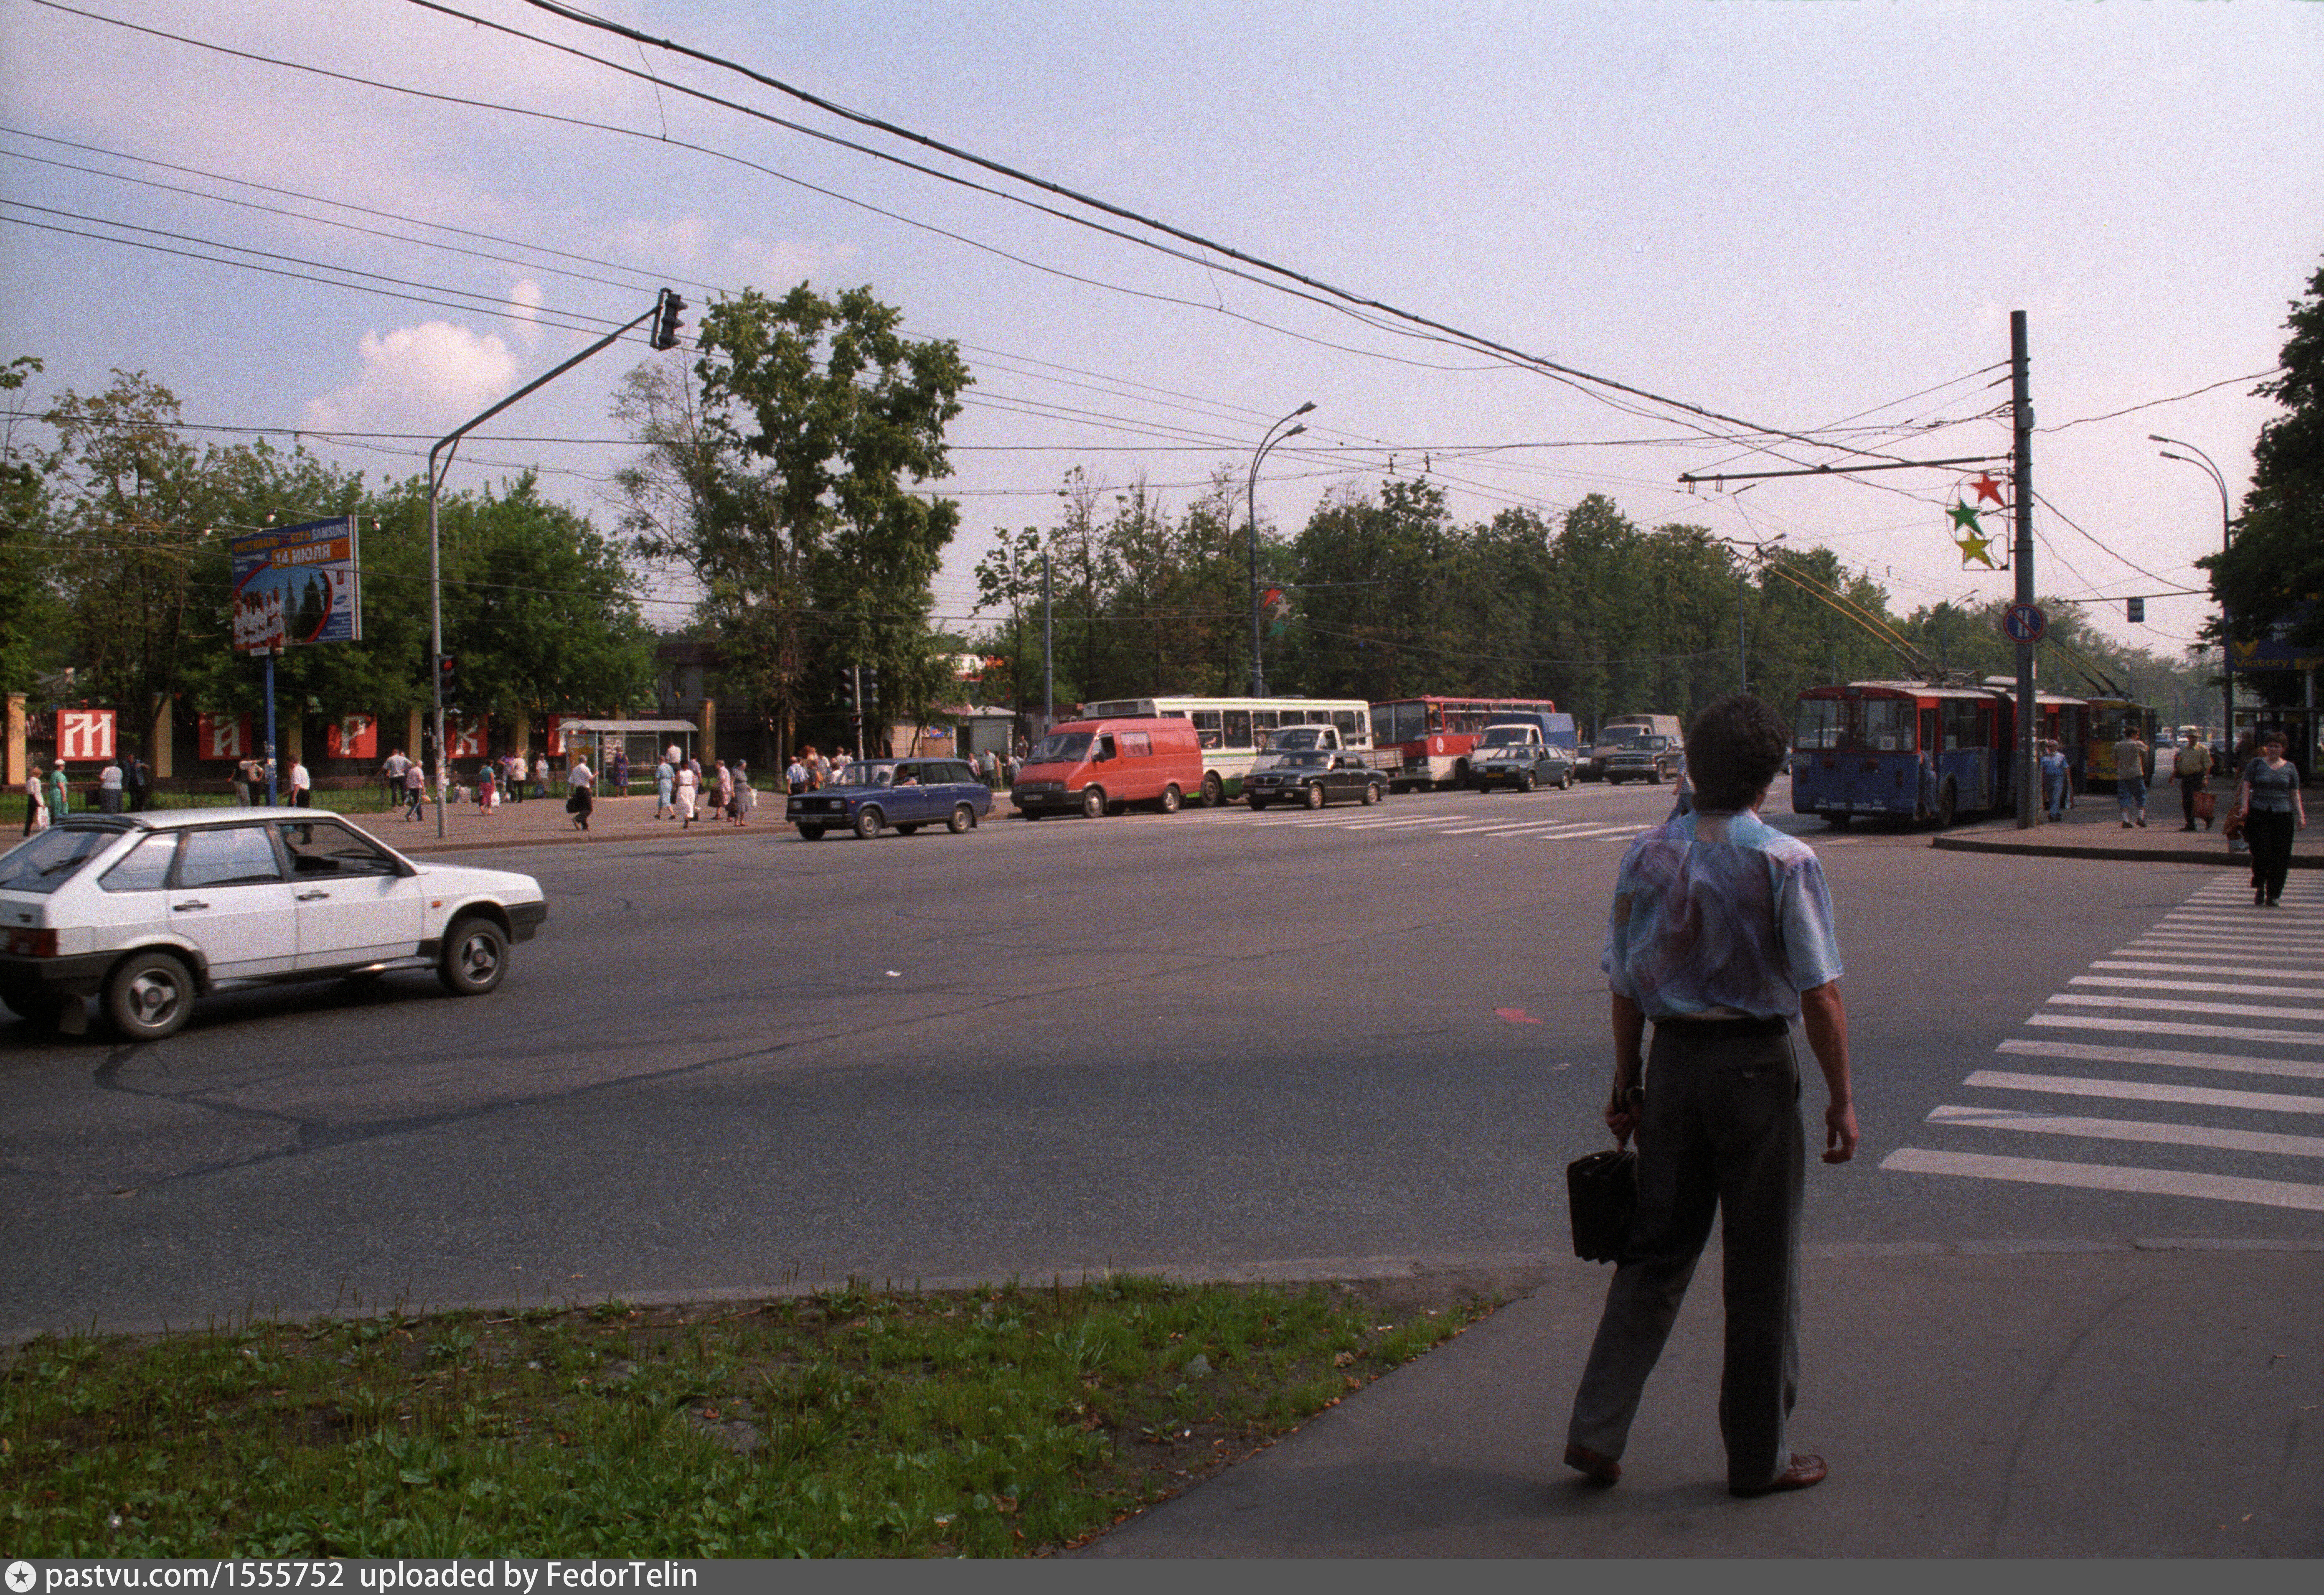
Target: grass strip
x,y
1005,1421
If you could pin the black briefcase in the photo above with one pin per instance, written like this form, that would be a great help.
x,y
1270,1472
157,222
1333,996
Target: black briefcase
x,y
1602,1190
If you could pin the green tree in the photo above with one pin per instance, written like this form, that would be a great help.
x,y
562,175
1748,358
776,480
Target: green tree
x,y
782,482
2272,572
29,607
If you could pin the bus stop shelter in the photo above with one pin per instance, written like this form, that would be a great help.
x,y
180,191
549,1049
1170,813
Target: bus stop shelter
x,y
642,740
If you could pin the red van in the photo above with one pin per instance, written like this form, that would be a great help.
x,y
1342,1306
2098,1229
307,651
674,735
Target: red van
x,y
1100,766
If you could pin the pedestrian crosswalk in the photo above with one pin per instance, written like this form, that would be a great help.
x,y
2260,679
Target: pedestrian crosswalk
x,y
1544,828
2210,1027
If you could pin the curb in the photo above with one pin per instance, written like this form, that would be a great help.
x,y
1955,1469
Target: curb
x,y
577,839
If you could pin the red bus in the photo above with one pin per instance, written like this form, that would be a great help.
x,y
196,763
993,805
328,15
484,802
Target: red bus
x,y
1433,735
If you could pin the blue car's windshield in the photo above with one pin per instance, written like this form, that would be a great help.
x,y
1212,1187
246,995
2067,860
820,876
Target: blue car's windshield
x,y
865,774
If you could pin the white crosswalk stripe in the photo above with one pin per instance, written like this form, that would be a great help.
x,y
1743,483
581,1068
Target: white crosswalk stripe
x,y
2216,987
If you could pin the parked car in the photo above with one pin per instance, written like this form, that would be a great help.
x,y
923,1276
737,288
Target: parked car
x,y
1517,752
1314,778
150,912
1651,759
904,794
1095,768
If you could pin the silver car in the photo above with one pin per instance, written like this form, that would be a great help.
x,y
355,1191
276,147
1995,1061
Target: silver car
x,y
148,912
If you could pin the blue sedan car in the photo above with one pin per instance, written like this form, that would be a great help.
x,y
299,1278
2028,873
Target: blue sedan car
x,y
901,795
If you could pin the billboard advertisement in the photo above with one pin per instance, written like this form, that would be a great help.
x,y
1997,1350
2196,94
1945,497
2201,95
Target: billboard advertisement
x,y
352,737
296,585
85,734
225,736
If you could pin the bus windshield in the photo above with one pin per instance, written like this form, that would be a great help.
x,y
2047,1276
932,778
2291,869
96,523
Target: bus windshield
x,y
1060,747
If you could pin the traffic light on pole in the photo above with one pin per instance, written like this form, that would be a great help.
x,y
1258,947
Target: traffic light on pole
x,y
443,664
2137,614
665,327
847,688
871,687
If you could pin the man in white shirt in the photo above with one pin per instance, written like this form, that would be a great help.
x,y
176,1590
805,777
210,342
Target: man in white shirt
x,y
301,785
109,788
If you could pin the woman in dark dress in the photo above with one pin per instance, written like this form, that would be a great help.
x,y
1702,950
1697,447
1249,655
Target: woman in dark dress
x,y
2268,804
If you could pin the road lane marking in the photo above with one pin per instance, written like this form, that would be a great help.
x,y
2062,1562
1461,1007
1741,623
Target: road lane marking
x,y
2222,1062
2304,1038
2297,973
2140,1091
2091,1176
2131,1129
2248,1010
2145,983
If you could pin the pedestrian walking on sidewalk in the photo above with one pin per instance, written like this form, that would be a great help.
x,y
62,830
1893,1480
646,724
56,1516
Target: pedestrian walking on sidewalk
x,y
2132,759
665,783
2190,767
725,809
414,783
580,793
2056,775
746,797
688,784
1720,936
36,812
2267,801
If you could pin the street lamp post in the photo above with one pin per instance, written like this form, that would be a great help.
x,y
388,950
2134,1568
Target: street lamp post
x,y
1250,498
2227,522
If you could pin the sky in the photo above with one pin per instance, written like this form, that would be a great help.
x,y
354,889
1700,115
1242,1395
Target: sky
x,y
1813,220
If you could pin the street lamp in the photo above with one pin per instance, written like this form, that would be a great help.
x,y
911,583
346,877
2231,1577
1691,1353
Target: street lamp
x,y
1250,498
2226,519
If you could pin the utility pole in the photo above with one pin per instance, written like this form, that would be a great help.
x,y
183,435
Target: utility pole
x,y
1048,655
2021,469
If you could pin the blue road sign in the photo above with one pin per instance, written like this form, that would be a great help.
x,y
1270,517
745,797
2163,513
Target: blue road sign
x,y
2025,623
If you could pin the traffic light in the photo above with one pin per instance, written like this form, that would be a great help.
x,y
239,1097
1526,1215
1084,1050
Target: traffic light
x,y
665,327
847,688
444,677
871,687
2137,611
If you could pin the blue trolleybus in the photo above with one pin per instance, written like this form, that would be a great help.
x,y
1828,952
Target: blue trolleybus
x,y
1903,750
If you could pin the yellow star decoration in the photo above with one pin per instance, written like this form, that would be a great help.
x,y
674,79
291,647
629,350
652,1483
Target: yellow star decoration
x,y
1975,547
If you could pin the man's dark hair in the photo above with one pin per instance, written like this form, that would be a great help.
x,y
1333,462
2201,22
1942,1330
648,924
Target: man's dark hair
x,y
1736,746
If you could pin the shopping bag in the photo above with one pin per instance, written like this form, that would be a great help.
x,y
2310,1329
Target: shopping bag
x,y
2206,806
1602,1192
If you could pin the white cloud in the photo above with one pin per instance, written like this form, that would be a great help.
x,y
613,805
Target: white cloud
x,y
421,378
524,309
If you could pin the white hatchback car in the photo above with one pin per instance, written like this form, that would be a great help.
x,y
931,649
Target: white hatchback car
x,y
147,911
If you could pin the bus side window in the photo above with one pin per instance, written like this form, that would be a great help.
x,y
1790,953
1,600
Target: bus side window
x,y
1206,726
1238,727
1351,721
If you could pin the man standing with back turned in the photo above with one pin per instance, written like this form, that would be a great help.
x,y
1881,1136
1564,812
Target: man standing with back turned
x,y
1721,935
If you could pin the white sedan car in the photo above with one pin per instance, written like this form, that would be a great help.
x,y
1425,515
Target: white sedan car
x,y
147,911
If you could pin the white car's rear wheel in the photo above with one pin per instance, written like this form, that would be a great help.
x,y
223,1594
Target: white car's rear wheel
x,y
149,996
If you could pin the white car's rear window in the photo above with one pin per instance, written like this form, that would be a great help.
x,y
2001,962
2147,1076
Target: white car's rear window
x,y
52,858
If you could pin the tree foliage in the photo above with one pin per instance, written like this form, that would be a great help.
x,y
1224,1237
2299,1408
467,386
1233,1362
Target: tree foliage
x,y
2272,575
780,475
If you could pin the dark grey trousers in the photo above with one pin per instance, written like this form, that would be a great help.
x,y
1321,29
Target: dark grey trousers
x,y
1721,1133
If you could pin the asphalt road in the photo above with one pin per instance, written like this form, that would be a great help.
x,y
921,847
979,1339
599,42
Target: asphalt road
x,y
1213,1040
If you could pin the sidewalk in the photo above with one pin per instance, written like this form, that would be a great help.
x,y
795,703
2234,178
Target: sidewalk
x,y
2093,828
2110,1400
540,822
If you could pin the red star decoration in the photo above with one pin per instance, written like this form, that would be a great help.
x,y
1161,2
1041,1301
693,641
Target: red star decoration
x,y
1987,488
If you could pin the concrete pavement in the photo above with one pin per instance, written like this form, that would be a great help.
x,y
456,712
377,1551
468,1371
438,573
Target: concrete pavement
x,y
2156,1398
2093,828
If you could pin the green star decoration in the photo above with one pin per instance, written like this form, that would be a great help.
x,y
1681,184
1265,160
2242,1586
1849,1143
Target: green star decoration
x,y
1965,518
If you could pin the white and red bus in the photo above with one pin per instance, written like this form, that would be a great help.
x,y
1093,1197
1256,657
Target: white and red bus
x,y
1433,734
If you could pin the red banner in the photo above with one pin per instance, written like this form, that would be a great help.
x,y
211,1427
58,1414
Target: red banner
x,y
224,737
354,738
468,739
85,734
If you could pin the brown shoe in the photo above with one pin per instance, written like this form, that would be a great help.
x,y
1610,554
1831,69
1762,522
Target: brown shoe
x,y
1601,1469
1804,1472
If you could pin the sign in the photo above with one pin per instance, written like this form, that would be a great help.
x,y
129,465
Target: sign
x,y
224,737
553,728
468,739
85,734
354,738
2025,623
297,584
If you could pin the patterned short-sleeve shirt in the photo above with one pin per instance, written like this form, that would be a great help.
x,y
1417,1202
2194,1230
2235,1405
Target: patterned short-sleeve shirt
x,y
1720,914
